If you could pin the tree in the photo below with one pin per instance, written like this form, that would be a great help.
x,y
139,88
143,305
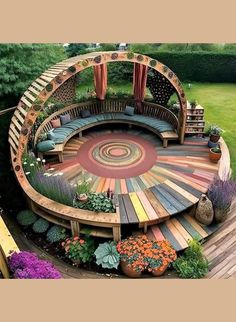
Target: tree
x,y
76,49
20,64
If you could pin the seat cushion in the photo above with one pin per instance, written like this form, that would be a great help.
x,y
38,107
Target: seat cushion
x,y
61,133
51,136
45,146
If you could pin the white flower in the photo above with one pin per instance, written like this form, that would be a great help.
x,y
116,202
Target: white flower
x,y
31,165
44,161
25,163
27,173
89,180
38,159
79,182
51,169
60,173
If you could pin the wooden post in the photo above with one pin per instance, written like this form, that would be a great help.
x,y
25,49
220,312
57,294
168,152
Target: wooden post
x,y
75,228
116,233
3,266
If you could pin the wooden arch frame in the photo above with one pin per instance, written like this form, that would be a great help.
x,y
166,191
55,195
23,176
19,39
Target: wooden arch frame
x,y
32,101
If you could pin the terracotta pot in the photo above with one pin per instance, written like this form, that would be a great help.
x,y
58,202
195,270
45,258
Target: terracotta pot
x,y
82,197
214,138
221,215
129,271
214,157
204,211
160,270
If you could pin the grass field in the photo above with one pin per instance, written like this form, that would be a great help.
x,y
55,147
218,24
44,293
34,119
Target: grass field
x,y
219,101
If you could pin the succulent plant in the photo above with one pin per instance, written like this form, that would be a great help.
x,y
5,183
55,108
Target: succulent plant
x,y
107,255
49,87
56,234
153,62
130,55
72,69
26,217
40,226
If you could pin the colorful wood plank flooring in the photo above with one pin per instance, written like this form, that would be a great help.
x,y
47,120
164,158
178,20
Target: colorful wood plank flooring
x,y
159,196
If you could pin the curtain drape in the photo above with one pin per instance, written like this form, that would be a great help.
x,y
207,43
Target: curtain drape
x,y
100,80
139,84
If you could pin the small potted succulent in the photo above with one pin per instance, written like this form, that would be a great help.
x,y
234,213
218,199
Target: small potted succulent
x,y
82,189
214,132
215,154
221,193
79,250
193,103
107,255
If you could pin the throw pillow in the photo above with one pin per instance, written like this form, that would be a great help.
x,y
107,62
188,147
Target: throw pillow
x,y
85,113
45,146
65,119
56,123
129,110
51,135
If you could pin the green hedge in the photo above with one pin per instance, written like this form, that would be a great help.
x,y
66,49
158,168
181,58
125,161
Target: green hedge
x,y
188,66
200,66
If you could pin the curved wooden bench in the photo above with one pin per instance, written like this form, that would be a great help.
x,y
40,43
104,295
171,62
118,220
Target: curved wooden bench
x,y
155,118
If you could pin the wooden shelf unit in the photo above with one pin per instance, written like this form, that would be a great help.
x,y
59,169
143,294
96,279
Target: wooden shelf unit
x,y
195,123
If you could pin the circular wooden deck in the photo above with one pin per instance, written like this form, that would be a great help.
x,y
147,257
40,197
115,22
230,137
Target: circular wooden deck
x,y
158,195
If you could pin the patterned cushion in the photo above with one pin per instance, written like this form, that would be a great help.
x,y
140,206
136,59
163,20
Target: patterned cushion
x,y
56,123
65,119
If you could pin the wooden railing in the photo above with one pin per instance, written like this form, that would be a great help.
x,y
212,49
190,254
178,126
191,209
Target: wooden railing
x,y
7,246
7,110
106,106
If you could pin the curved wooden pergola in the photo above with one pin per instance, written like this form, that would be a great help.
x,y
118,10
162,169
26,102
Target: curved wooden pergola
x,y
32,103
34,98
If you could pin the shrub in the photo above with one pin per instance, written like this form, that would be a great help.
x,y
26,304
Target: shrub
x,y
79,249
97,202
192,264
221,193
56,234
26,217
26,265
107,255
40,226
213,129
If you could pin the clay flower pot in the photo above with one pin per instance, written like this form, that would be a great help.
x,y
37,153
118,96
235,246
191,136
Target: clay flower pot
x,y
204,211
160,270
214,156
129,271
214,138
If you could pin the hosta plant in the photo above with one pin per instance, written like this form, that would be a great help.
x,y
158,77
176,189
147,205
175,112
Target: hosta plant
x,y
107,255
26,217
97,202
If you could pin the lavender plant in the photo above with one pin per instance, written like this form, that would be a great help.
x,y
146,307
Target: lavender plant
x,y
53,187
221,193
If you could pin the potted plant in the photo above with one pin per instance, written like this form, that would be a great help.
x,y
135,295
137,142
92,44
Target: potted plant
x,y
221,194
215,154
82,189
214,132
79,250
139,254
107,255
193,103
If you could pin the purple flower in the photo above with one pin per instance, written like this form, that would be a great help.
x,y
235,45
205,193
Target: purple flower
x,y
26,265
221,193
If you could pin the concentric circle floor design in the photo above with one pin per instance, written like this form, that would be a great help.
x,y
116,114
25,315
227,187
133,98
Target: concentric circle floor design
x,y
117,155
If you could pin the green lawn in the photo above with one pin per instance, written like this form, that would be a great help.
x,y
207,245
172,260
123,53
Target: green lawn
x,y
219,101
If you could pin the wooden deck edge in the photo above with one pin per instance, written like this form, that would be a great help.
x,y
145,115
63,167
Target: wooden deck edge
x,y
224,171
7,246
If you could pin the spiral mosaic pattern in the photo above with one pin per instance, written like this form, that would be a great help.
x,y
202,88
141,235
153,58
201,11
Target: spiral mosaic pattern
x,y
117,156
